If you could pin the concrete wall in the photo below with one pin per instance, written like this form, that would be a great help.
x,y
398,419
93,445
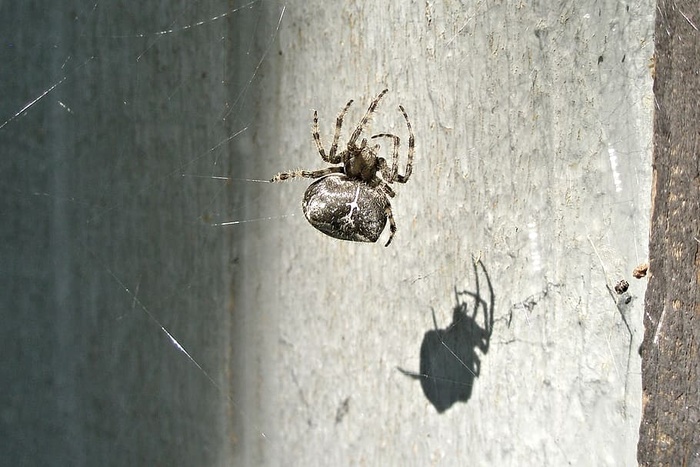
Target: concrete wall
x,y
529,200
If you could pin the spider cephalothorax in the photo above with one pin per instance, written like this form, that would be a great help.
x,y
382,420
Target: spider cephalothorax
x,y
350,201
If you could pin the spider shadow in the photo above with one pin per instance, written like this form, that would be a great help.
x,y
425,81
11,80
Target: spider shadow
x,y
449,363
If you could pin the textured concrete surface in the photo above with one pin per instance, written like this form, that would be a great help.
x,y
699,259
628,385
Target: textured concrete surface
x,y
529,200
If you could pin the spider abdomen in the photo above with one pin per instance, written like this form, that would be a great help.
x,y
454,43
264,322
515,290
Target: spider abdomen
x,y
346,209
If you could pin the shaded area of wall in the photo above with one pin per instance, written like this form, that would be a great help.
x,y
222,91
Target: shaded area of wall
x,y
113,120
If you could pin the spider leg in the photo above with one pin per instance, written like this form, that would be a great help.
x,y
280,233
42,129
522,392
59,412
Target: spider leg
x,y
411,150
390,175
392,224
365,119
332,157
317,138
393,174
282,176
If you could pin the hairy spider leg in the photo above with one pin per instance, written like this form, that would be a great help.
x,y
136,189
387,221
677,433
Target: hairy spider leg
x,y
282,176
331,158
365,118
411,149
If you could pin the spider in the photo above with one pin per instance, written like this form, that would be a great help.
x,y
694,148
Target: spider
x,y
350,202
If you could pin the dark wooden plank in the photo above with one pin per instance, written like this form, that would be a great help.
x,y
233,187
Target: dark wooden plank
x,y
670,428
